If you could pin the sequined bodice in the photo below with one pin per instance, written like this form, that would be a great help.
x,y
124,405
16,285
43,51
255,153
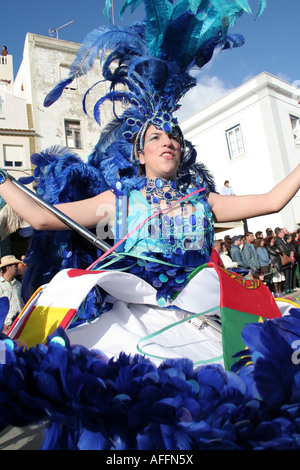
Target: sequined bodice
x,y
187,228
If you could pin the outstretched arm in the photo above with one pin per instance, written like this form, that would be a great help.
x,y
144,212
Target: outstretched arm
x,y
232,208
87,213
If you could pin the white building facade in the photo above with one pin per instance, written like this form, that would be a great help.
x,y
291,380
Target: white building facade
x,y
251,137
17,135
27,127
17,142
45,62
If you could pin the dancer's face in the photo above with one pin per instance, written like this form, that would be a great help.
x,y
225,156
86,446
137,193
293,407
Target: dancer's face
x,y
161,154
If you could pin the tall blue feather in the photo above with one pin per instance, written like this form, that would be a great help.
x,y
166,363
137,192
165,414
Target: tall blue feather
x,y
133,3
262,6
57,92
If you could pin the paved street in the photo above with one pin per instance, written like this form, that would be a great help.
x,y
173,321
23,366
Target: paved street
x,y
293,296
27,438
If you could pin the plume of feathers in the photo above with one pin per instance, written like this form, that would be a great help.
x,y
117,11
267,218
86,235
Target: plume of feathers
x,y
202,26
149,69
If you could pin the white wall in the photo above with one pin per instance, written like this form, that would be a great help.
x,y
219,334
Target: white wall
x,y
39,73
15,134
6,70
261,107
13,115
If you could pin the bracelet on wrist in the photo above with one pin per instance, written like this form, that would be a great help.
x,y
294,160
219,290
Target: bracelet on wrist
x,y
3,176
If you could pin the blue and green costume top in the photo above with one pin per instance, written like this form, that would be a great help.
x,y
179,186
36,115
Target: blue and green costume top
x,y
156,232
162,248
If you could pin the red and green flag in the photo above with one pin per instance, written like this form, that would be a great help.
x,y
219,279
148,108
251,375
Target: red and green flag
x,y
242,301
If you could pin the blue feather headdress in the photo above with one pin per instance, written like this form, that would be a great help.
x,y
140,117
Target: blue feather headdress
x,y
148,66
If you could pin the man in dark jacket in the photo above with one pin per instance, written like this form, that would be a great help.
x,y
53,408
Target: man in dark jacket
x,y
250,254
280,241
236,253
283,247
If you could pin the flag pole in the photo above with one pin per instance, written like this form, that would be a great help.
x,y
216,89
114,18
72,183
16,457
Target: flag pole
x,y
62,217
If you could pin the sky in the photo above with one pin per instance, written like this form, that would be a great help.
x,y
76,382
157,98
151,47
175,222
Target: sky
x,y
272,41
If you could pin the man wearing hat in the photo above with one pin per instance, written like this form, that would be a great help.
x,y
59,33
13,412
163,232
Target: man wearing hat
x,y
236,253
10,288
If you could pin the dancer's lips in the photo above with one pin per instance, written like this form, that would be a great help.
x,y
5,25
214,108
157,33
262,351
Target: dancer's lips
x,y
168,155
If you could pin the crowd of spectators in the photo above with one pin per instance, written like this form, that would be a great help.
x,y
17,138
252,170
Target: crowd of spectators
x,y
272,256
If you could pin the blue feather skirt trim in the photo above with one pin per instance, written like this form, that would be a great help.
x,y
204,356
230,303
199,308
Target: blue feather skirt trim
x,y
128,403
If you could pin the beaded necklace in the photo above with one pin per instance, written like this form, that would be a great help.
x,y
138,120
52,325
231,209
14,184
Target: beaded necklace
x,y
162,190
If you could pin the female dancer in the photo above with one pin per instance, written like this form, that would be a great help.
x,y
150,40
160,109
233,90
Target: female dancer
x,y
127,403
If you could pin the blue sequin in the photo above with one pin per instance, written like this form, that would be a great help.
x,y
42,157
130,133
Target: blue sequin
x,y
141,262
193,219
128,135
58,340
148,267
131,121
171,272
163,278
161,302
178,220
159,183
167,127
